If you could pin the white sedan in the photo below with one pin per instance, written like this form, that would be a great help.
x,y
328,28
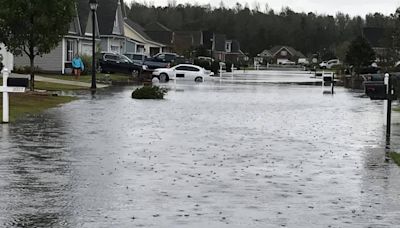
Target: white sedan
x,y
182,71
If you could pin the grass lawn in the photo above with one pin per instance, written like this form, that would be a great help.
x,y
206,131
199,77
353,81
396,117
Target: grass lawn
x,y
395,157
54,86
88,78
29,103
57,87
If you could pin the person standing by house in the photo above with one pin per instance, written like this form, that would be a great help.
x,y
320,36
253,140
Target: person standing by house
x,y
77,65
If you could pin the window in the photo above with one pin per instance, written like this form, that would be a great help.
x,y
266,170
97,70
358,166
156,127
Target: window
x,y
228,46
187,68
114,48
70,50
140,48
110,57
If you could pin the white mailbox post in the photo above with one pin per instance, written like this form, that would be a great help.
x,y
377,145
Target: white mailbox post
x,y
5,90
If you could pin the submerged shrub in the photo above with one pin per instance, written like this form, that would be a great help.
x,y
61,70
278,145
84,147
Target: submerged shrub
x,y
149,92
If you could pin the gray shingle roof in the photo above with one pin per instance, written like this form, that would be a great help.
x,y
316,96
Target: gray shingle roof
x,y
137,28
105,14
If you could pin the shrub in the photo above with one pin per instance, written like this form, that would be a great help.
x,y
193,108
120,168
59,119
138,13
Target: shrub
x,y
87,63
149,92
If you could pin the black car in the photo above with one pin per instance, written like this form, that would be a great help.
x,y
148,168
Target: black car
x,y
172,58
111,63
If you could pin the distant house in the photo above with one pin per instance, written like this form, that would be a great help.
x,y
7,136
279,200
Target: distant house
x,y
144,43
224,49
187,40
78,40
161,34
278,54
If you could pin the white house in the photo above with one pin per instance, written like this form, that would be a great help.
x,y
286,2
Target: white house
x,y
8,58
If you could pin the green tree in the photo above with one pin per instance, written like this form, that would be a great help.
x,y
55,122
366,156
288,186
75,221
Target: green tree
x,y
34,27
359,53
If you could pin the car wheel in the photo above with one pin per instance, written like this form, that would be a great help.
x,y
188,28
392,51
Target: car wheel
x,y
164,77
198,79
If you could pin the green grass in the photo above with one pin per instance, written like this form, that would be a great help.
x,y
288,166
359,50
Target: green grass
x,y
28,103
395,157
57,87
88,78
54,86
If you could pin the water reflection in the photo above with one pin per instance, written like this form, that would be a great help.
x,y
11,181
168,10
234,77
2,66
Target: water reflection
x,y
34,169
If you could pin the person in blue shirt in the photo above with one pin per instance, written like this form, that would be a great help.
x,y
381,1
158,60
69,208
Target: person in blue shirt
x,y
77,65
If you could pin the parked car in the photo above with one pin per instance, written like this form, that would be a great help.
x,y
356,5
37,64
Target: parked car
x,y
287,62
143,59
180,72
112,62
332,63
137,58
303,61
172,58
323,65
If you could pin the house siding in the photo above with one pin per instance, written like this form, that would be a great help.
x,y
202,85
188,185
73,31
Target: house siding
x,y
51,62
130,47
104,45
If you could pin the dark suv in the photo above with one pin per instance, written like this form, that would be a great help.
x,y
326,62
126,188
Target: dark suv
x,y
172,58
111,62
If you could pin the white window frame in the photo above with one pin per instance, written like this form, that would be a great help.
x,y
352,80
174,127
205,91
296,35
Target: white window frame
x,y
70,50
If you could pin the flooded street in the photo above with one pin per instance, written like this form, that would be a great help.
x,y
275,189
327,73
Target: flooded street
x,y
209,155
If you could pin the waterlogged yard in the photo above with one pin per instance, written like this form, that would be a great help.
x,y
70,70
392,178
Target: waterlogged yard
x,y
209,155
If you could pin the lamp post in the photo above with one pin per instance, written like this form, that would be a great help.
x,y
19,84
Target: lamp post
x,y
93,6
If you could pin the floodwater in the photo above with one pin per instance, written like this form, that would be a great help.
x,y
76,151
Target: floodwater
x,y
216,154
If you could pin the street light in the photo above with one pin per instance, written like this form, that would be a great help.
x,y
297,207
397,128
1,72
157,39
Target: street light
x,y
93,6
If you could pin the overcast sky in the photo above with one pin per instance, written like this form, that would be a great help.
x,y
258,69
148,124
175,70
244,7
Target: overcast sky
x,y
352,7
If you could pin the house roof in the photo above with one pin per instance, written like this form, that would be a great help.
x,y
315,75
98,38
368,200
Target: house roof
x,y
139,29
159,33
156,26
276,49
219,42
106,12
265,53
374,35
83,13
193,37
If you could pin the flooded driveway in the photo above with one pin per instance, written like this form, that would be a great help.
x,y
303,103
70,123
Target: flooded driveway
x,y
209,155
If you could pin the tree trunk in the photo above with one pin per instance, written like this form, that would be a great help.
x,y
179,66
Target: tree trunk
x,y
32,72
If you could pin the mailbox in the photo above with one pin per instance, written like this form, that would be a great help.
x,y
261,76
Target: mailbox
x,y
375,90
18,82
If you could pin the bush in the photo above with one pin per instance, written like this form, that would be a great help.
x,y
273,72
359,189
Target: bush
x,y
149,92
87,63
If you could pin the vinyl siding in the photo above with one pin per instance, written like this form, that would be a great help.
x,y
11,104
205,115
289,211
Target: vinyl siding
x,y
130,47
51,62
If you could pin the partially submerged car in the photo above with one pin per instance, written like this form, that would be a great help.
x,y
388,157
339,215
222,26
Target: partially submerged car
x,y
182,72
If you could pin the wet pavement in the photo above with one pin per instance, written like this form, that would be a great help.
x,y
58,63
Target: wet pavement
x,y
209,155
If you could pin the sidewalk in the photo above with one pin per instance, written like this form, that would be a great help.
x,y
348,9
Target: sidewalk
x,y
65,82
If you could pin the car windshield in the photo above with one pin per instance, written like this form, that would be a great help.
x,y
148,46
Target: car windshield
x,y
125,59
137,57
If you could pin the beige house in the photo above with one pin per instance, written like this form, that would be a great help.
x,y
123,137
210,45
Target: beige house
x,y
143,43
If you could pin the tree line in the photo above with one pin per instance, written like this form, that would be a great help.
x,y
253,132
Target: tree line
x,y
258,29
